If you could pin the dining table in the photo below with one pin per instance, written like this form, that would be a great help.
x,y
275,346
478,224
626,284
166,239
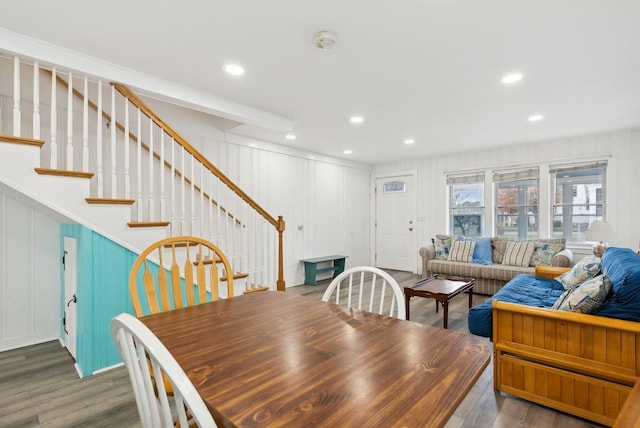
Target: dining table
x,y
275,359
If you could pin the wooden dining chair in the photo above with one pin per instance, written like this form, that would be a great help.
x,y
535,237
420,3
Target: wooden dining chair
x,y
369,289
177,272
143,353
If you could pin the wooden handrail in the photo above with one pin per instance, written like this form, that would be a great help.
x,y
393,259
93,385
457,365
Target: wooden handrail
x,y
279,224
133,98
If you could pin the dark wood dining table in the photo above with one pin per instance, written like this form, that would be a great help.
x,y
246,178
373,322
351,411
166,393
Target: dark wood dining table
x,y
272,359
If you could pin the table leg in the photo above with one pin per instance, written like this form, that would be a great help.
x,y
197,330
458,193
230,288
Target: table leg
x,y
406,305
445,310
470,297
437,306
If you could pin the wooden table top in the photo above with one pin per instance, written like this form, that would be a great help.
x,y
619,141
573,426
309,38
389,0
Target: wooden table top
x,y
276,359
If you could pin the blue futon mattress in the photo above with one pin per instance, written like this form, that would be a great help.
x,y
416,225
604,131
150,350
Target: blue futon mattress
x,y
524,289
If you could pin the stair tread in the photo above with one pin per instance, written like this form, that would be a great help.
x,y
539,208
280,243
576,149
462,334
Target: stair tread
x,y
21,140
110,201
237,275
64,173
148,223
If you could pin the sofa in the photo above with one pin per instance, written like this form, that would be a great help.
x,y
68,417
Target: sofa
x,y
486,262
568,338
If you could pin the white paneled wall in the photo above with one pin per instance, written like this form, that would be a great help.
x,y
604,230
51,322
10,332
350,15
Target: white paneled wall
x,y
621,148
30,269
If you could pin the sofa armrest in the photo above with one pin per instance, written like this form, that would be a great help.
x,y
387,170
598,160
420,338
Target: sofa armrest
x,y
563,258
550,272
427,253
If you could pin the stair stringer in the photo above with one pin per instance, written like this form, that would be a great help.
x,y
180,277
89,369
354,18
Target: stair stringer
x,y
66,195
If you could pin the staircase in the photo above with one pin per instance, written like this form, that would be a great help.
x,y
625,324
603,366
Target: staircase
x,y
96,153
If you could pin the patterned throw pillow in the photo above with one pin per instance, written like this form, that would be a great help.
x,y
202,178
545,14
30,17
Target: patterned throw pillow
x,y
498,247
442,244
586,298
543,253
462,251
518,253
587,268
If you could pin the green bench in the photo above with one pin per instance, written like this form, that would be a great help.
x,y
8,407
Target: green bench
x,y
311,267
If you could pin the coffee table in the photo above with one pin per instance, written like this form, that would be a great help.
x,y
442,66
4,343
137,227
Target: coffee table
x,y
441,288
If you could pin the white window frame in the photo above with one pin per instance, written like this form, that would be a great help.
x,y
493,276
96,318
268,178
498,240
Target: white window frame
x,y
527,217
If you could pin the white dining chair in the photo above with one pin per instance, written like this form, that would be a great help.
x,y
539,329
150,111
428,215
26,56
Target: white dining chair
x,y
369,289
142,353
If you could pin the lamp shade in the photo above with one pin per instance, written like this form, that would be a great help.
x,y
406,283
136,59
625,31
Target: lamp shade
x,y
599,231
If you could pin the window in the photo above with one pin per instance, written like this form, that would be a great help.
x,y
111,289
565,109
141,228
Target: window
x,y
466,193
578,198
516,203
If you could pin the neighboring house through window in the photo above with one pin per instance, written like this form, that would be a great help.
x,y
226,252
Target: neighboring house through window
x,y
466,202
579,198
516,199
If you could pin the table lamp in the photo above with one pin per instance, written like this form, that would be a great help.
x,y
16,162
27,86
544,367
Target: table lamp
x,y
599,231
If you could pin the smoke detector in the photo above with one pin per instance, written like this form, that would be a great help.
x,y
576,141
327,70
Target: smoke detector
x,y
325,40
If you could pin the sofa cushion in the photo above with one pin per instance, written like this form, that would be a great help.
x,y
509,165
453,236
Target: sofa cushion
x,y
442,244
518,253
622,266
462,251
524,289
543,253
587,268
482,251
498,247
586,298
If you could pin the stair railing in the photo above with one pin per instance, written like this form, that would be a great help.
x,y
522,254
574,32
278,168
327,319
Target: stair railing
x,y
165,179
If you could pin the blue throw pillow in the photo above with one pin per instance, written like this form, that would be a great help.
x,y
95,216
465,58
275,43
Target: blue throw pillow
x,y
482,251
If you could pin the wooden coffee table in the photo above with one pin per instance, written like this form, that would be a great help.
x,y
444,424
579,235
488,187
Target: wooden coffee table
x,y
441,288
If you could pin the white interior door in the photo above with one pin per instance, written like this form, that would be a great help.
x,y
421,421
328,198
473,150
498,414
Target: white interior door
x,y
70,299
395,226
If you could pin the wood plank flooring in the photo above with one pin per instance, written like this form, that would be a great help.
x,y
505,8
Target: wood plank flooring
x,y
40,387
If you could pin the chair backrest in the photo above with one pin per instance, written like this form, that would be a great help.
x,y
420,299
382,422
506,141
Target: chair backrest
x,y
177,272
142,353
370,289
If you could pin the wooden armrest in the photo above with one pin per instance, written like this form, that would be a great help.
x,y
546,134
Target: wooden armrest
x,y
550,272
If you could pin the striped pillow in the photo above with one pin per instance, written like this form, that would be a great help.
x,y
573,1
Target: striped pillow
x,y
518,253
462,251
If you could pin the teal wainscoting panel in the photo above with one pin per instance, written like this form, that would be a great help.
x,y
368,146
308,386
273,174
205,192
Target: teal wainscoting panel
x,y
103,293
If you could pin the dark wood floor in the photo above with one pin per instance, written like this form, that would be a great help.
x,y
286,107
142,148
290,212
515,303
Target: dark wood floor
x,y
40,387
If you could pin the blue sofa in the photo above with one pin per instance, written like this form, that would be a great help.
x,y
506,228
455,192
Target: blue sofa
x,y
621,265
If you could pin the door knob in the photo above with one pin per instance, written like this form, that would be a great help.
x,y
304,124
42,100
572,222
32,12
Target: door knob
x,y
411,229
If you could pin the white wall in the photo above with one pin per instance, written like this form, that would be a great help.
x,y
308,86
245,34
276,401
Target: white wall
x,y
621,148
30,263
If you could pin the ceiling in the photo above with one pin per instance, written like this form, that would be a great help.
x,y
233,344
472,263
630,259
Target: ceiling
x,y
429,70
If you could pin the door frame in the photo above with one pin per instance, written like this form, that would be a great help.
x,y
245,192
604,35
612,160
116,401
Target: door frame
x,y
372,233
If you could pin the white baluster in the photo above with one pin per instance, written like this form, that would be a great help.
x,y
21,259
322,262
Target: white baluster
x,y
161,173
211,237
182,195
54,120
69,148
139,166
193,196
202,200
151,210
17,120
127,139
114,174
174,203
85,126
99,172
36,100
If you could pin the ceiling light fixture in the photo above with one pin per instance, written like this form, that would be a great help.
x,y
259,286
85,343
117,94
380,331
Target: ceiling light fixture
x,y
512,78
290,137
234,69
324,40
409,141
536,118
347,152
356,119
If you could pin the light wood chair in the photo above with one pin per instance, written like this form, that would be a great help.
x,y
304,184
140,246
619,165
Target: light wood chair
x,y
143,353
177,272
370,289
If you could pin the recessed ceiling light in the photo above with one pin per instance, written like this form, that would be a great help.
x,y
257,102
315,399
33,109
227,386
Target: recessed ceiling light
x,y
290,137
356,119
234,69
409,141
535,117
347,152
512,78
